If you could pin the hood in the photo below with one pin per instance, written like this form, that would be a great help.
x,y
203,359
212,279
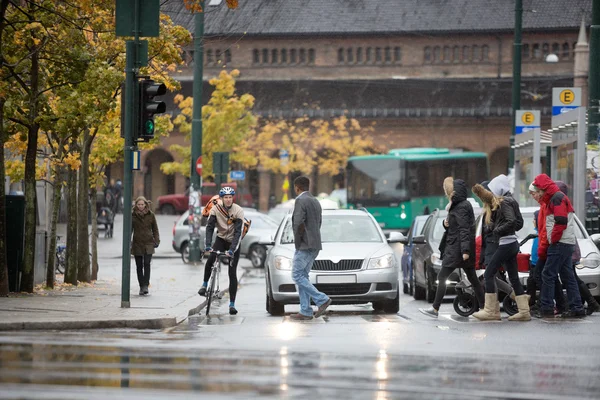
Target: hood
x,y
543,182
499,185
562,187
485,195
460,191
343,251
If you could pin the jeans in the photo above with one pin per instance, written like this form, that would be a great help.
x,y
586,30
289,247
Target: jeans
x,y
143,269
301,265
559,263
223,245
536,271
505,255
441,287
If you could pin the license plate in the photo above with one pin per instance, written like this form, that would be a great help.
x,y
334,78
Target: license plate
x,y
336,278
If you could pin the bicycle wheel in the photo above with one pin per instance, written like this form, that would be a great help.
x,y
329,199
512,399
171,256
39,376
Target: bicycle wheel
x,y
60,266
209,292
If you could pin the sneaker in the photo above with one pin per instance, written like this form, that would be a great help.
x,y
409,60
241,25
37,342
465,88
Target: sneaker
x,y
142,291
543,314
145,289
202,291
571,314
232,311
323,308
430,312
300,317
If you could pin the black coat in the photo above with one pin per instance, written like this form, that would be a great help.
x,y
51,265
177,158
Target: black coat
x,y
459,237
504,220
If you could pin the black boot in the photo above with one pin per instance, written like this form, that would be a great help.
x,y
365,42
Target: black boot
x,y
592,306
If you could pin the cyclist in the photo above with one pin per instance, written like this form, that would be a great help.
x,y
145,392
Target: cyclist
x,y
228,218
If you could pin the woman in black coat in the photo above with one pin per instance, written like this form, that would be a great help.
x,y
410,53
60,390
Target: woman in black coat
x,y
457,248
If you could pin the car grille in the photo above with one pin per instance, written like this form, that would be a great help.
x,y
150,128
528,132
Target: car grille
x,y
343,289
343,265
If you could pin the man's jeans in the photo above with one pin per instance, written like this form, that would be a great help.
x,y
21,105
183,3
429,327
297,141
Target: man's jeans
x,y
559,262
301,265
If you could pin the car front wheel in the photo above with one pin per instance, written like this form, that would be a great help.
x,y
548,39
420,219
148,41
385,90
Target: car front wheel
x,y
185,253
257,255
167,209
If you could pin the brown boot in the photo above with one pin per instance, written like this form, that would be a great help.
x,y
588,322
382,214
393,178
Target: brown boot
x,y
523,307
491,309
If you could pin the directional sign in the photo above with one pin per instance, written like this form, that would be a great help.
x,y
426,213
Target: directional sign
x,y
565,99
526,120
237,175
199,165
148,17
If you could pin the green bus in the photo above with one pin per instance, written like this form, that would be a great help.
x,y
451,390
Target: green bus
x,y
398,186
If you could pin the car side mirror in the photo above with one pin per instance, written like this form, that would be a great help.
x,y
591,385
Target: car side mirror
x,y
266,241
419,240
596,239
397,237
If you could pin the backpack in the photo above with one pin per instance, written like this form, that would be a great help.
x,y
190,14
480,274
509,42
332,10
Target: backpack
x,y
230,220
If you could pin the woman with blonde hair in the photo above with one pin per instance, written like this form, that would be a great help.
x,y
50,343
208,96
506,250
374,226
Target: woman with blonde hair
x,y
145,239
500,224
457,248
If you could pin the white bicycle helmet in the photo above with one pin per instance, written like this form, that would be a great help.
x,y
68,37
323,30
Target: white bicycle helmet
x,y
227,190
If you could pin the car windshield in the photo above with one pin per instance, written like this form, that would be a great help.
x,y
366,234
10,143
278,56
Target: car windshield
x,y
261,221
340,229
529,228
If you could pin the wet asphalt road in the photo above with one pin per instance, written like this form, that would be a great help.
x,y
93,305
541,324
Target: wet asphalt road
x,y
352,353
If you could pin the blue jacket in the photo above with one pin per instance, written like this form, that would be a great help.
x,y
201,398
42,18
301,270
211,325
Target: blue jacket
x,y
534,251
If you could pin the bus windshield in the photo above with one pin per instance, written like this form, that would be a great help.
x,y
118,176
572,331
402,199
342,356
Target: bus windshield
x,y
376,182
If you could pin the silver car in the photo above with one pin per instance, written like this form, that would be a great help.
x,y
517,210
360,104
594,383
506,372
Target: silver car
x,y
588,268
356,265
261,226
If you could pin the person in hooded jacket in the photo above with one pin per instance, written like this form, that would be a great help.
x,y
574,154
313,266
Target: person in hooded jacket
x,y
501,222
560,234
457,247
584,291
145,239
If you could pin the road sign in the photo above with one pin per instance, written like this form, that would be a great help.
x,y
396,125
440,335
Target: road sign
x,y
565,99
135,160
284,157
199,165
148,17
526,120
237,175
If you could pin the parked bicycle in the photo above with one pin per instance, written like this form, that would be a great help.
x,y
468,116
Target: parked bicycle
x,y
212,289
61,256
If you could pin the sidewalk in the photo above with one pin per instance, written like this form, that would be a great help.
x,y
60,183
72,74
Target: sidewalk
x,y
173,294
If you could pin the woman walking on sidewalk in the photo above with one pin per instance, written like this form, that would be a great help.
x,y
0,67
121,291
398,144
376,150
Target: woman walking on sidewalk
x,y
501,221
145,239
457,248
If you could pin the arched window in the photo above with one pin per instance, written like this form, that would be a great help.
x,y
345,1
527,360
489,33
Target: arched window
x,y
447,54
545,49
293,56
536,53
556,49
218,58
466,54
274,56
227,56
476,53
388,55
255,56
265,56
456,54
349,55
427,55
311,56
397,55
284,58
359,55
378,55
209,57
485,52
565,51
340,56
525,51
302,53
369,55
436,54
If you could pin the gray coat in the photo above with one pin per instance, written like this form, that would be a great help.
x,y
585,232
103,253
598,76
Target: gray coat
x,y
306,221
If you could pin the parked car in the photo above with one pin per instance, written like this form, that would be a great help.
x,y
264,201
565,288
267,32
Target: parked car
x,y
416,229
425,259
262,225
172,204
589,267
356,265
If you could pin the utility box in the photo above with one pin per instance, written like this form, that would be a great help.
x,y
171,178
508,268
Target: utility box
x,y
15,218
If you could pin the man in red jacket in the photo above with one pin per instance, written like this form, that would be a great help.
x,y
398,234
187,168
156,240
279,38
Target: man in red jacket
x,y
559,231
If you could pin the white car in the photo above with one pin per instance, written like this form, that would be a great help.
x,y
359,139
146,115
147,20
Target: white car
x,y
588,268
356,265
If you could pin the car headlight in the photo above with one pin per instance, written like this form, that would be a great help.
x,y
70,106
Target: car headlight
x,y
283,263
592,260
435,259
386,261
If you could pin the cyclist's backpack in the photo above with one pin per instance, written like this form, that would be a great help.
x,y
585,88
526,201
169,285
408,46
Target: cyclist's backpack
x,y
213,200
245,226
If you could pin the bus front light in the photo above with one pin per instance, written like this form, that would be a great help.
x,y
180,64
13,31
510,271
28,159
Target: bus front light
x,y
403,216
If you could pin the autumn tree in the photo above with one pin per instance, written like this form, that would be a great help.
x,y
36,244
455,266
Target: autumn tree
x,y
227,120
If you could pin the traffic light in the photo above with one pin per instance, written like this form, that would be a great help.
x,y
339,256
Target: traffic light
x,y
148,107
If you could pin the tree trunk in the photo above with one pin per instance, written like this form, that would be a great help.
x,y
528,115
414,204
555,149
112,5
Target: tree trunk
x,y
53,221
3,139
93,193
71,268
27,277
83,244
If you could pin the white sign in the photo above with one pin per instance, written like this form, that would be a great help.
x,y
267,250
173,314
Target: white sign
x,y
565,99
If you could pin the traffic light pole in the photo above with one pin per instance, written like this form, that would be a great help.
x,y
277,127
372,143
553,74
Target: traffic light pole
x,y
594,76
516,86
195,178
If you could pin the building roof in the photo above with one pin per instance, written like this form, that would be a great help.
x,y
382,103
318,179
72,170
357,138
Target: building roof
x,y
373,17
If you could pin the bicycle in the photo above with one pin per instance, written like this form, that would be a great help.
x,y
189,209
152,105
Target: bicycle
x,y
213,282
61,254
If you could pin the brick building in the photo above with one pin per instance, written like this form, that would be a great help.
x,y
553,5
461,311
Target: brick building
x,y
434,73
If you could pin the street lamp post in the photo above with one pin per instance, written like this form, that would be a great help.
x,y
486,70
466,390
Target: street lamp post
x,y
516,87
594,78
